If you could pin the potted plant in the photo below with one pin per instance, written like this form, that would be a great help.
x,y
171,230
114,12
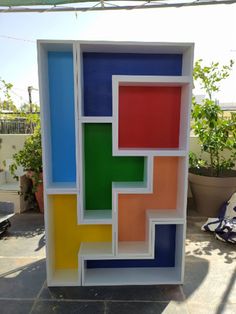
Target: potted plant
x,y
30,158
211,175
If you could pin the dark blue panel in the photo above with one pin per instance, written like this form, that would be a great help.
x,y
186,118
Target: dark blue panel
x,y
61,95
164,252
99,67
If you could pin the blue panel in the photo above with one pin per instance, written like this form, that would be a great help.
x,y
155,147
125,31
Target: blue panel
x,y
164,252
99,67
61,95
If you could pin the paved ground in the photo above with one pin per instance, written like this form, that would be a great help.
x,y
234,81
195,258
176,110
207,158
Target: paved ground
x,y
210,283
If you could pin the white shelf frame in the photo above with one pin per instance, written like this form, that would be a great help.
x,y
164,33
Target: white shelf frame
x,y
175,81
44,46
176,216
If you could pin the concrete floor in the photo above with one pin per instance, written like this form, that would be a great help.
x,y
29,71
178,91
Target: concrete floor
x,y
210,278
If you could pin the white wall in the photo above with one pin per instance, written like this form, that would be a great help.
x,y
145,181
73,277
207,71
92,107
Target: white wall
x,y
10,144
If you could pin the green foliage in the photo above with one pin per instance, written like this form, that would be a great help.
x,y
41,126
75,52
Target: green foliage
x,y
5,92
8,111
195,161
30,157
215,131
30,113
26,108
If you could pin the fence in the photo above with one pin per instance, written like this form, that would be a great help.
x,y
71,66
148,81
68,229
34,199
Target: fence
x,y
18,125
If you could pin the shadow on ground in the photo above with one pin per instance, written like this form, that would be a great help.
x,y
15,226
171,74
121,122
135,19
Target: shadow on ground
x,y
209,285
211,247
27,284
204,244
23,281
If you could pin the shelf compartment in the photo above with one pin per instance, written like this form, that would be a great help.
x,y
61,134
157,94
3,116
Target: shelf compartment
x,y
103,250
132,276
132,207
166,267
64,277
148,112
136,248
91,249
65,235
62,117
57,77
101,168
175,152
97,216
164,252
96,119
62,188
165,215
149,117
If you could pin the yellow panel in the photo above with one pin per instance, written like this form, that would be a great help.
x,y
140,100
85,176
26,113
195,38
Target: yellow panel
x,y
68,235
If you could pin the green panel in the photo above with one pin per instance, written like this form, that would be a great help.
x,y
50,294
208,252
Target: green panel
x,y
101,169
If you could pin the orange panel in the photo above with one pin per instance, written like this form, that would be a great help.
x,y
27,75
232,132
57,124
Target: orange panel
x,y
132,207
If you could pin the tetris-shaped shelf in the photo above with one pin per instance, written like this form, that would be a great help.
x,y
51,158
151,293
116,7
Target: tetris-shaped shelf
x,y
115,127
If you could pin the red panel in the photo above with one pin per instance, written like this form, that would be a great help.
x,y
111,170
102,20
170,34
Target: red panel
x,y
149,117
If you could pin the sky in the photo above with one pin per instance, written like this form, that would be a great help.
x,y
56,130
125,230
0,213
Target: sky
x,y
211,28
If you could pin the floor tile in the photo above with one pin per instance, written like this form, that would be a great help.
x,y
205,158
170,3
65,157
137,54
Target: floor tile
x,y
211,308
149,293
23,244
136,307
191,208
21,278
67,307
15,307
194,225
28,222
210,282
206,246
174,307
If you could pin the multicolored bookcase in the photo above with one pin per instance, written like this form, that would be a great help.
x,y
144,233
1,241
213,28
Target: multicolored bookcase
x,y
115,127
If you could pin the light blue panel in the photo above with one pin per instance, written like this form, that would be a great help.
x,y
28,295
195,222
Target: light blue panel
x,y
61,96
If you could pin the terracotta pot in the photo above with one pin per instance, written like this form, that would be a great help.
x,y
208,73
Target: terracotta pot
x,y
210,193
39,197
39,192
